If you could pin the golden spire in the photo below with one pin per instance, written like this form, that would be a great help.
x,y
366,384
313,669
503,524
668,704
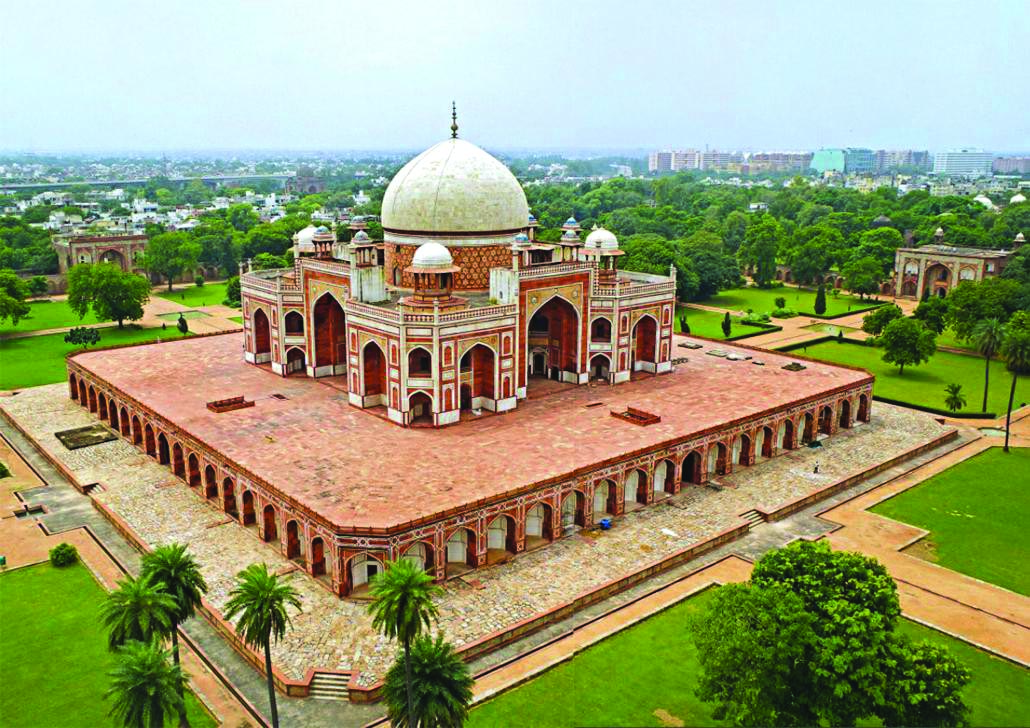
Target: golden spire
x,y
454,121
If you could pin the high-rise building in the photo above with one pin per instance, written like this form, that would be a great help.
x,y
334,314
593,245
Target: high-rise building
x,y
844,161
1012,165
963,163
668,160
721,161
890,159
779,162
659,162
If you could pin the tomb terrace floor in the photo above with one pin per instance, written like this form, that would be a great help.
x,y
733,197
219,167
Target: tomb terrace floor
x,y
360,471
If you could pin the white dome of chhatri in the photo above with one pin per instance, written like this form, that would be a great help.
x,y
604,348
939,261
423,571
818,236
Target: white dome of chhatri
x,y
602,239
432,255
454,187
1017,198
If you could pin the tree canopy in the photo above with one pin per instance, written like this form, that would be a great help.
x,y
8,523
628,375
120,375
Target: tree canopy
x,y
113,294
907,341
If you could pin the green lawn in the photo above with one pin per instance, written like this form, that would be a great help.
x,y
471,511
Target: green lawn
x,y
47,315
652,666
36,360
924,385
54,653
974,515
209,294
947,338
237,319
763,300
703,322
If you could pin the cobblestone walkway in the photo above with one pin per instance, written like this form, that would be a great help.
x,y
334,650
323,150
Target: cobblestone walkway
x,y
336,634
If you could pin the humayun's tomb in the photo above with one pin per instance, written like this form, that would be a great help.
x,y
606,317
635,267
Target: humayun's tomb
x,y
456,393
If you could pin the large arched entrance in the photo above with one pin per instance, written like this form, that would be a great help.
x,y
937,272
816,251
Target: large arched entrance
x,y
600,366
634,492
363,569
229,498
295,362
420,409
115,257
645,345
477,374
553,338
500,539
538,526
374,370
664,481
604,493
330,337
262,337
461,552
163,452
692,471
936,280
421,555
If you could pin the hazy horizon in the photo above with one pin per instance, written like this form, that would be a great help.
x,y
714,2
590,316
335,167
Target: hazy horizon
x,y
239,77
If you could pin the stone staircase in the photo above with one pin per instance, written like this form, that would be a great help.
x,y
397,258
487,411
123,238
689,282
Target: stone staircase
x,y
753,518
327,686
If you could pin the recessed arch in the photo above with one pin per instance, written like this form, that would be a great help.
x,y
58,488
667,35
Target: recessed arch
x,y
645,344
229,497
73,386
501,538
573,511
102,406
293,540
83,397
247,501
826,420
635,489
807,428
765,442
363,568
604,499
210,482
262,335
318,561
461,551
692,470
178,461
373,363
420,554
124,425
293,323
664,480
601,330
553,340
420,362
296,362
330,335
269,527
844,414
478,368
863,407
164,453
137,431
600,366
420,409
538,525
92,399
193,470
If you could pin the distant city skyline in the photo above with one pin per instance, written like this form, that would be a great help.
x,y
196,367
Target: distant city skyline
x,y
740,75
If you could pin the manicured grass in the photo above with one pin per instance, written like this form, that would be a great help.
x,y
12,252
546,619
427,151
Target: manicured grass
x,y
652,666
620,681
947,338
209,294
35,360
54,652
976,513
802,300
47,315
998,693
707,323
237,319
924,385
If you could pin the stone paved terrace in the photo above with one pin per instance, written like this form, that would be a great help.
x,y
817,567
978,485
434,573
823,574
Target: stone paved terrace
x,y
336,634
358,470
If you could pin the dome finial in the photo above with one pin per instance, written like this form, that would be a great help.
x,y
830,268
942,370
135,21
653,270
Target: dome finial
x,y
454,121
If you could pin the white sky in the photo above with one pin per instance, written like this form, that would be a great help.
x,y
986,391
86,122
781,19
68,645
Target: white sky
x,y
376,74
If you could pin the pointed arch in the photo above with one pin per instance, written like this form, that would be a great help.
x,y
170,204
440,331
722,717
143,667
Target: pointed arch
x,y
262,336
644,344
553,336
373,366
178,461
329,335
420,362
150,444
692,470
461,550
229,497
193,470
210,482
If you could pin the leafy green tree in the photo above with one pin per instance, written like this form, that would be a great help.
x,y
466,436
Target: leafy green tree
x,y
402,607
146,688
933,313
810,260
780,302
863,276
754,646
1015,350
761,242
13,293
879,244
38,286
734,229
876,321
259,604
170,254
242,217
954,400
987,337
925,686
811,641
907,341
232,292
139,609
113,294
82,336
820,300
971,302
710,263
435,680
178,573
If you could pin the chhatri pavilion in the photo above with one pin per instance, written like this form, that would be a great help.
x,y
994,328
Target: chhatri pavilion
x,y
456,393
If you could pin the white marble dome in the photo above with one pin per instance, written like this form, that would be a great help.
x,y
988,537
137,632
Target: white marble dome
x,y
304,240
602,239
454,186
432,255
1017,198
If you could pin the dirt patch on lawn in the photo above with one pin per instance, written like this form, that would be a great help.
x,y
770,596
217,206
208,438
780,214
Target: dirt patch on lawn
x,y
668,719
924,549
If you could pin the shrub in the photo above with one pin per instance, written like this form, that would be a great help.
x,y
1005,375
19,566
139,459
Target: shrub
x,y
781,302
63,554
5,472
784,313
199,280
756,318
82,336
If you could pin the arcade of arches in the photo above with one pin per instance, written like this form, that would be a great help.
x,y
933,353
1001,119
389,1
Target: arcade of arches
x,y
463,547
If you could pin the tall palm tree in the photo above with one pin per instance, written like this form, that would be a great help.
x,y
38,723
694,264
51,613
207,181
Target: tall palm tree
x,y
954,400
988,336
402,605
147,688
1016,352
179,575
442,686
138,609
260,600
